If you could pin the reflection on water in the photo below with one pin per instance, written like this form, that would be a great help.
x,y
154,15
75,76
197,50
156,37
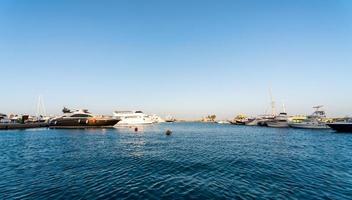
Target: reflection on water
x,y
199,161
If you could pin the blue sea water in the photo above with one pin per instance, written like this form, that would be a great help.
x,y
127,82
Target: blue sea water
x,y
198,161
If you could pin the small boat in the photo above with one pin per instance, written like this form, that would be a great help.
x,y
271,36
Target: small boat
x,y
317,120
81,119
280,121
344,125
127,118
170,119
223,122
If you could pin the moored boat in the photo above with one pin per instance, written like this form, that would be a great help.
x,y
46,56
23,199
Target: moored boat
x,y
81,119
280,121
317,120
170,119
342,126
132,118
239,120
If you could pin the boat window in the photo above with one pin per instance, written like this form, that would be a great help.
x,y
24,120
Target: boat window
x,y
80,115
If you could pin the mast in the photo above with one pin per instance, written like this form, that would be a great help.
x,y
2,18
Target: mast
x,y
41,111
273,109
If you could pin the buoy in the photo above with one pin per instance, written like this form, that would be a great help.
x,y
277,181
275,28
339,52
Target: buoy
x,y
168,132
136,129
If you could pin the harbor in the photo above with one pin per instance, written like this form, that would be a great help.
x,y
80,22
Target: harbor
x,y
84,119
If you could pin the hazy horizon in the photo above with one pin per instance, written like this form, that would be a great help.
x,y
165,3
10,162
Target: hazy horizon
x,y
184,58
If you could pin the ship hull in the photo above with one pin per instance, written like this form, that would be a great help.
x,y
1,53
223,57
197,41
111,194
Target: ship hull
x,y
277,124
341,127
308,126
82,123
7,126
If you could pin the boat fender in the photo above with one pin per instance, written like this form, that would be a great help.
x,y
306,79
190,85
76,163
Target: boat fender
x,y
87,121
79,121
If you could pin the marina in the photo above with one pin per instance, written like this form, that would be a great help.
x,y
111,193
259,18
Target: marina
x,y
82,119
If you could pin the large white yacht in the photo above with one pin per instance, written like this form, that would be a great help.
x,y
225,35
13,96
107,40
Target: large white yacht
x,y
132,118
317,120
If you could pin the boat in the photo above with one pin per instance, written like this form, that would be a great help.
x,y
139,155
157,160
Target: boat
x,y
280,121
127,118
81,119
344,125
317,120
239,120
20,122
223,122
263,119
170,119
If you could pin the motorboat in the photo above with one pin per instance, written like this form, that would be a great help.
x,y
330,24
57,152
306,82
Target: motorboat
x,y
344,125
259,120
127,118
239,120
317,120
280,121
81,119
170,119
223,122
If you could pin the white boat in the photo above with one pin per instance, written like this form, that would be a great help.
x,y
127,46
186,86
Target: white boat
x,y
317,120
223,122
280,121
170,119
132,118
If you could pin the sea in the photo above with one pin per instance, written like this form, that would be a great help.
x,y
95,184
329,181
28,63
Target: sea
x,y
197,161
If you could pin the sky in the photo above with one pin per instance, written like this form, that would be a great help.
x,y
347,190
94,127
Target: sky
x,y
187,58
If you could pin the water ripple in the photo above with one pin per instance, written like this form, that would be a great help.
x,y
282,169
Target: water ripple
x,y
199,161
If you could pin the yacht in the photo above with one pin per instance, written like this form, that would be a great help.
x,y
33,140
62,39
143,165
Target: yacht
x,y
81,119
344,125
133,118
280,121
317,120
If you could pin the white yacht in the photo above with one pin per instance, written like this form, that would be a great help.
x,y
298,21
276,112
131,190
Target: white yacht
x,y
317,120
132,118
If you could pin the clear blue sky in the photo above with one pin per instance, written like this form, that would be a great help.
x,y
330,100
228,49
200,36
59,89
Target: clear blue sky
x,y
186,57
